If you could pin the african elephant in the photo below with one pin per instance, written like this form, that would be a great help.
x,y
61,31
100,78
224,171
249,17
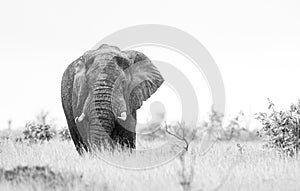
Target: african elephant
x,y
101,92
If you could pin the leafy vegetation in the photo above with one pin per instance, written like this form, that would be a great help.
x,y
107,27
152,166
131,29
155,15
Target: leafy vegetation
x,y
282,128
234,129
212,156
38,133
64,134
39,130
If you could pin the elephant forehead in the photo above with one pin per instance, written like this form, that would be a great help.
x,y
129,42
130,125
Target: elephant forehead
x,y
103,46
105,52
102,65
105,69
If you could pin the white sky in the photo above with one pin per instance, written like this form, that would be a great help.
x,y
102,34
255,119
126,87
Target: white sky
x,y
256,45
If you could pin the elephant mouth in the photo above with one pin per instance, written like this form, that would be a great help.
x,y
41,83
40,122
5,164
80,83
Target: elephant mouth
x,y
123,116
119,110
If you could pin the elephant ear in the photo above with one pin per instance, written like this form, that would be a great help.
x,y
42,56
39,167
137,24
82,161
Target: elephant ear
x,y
143,78
80,86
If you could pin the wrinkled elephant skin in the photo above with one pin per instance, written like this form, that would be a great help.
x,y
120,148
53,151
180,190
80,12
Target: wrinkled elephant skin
x,y
101,92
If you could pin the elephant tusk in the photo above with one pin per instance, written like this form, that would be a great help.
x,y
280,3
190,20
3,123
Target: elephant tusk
x,y
80,118
123,116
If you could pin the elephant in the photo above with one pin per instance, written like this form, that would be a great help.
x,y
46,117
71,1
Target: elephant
x,y
101,92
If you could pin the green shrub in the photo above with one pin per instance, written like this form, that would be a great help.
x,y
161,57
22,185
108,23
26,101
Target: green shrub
x,y
282,128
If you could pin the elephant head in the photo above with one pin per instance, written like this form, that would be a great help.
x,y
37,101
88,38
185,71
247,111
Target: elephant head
x,y
107,87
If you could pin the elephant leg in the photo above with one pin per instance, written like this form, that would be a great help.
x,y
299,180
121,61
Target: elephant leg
x,y
77,139
123,136
66,96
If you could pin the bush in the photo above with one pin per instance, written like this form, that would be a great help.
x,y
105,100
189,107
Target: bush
x,y
64,134
282,128
157,131
238,129
38,133
214,124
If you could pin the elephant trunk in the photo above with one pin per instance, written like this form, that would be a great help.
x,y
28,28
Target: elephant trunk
x,y
102,118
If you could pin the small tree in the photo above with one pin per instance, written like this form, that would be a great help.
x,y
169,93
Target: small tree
x,y
42,117
186,173
232,130
282,128
214,125
211,131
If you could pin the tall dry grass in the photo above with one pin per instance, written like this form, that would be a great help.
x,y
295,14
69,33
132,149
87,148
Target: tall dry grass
x,y
226,166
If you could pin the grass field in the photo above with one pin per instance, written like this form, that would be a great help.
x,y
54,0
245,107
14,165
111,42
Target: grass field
x,y
226,166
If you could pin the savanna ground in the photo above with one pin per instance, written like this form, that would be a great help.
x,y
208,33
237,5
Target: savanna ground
x,y
229,165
